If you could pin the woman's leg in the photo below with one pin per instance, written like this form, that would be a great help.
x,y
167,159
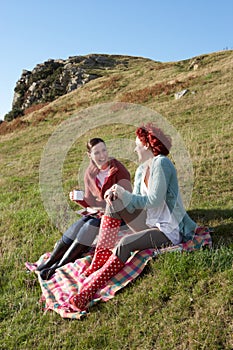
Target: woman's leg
x,y
63,244
80,245
58,251
111,267
72,232
89,231
106,241
110,225
149,238
136,221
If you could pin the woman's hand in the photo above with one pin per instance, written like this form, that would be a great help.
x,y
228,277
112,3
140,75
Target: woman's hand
x,y
117,191
71,195
109,196
113,193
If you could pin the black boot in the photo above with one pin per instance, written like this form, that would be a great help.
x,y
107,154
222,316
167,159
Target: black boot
x,y
56,255
74,252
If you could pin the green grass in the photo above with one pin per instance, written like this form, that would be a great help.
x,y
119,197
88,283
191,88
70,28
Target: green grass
x,y
181,301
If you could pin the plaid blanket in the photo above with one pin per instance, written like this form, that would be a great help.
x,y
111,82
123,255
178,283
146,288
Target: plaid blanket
x,y
69,279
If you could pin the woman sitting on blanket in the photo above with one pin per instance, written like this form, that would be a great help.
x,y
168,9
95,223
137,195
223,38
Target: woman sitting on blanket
x,y
100,175
154,211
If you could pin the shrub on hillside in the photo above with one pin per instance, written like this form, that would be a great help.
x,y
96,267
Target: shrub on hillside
x,y
14,113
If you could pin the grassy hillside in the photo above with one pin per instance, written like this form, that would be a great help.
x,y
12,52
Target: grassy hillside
x,y
181,301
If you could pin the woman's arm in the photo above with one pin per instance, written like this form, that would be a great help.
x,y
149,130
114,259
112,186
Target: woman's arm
x,y
91,198
160,174
123,177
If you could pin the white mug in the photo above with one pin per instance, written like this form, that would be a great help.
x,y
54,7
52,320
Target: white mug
x,y
78,195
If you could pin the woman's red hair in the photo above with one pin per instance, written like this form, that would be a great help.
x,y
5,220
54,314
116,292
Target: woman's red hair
x,y
155,139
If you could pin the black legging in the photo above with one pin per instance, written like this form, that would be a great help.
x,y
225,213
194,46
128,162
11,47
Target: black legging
x,y
150,238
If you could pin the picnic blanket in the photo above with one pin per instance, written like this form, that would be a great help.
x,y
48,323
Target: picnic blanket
x,y
69,279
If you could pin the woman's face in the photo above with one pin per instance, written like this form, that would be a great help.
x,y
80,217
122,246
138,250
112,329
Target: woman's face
x,y
142,151
99,155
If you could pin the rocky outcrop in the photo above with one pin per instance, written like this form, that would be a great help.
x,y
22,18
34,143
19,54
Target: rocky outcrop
x,y
54,78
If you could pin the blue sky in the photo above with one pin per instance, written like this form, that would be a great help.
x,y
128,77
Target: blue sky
x,y
34,31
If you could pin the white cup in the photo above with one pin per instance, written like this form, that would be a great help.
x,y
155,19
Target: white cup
x,y
78,195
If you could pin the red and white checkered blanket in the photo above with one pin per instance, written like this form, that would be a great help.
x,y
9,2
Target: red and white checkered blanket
x,y
68,279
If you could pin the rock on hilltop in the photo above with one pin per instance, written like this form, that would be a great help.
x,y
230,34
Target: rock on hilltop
x,y
54,78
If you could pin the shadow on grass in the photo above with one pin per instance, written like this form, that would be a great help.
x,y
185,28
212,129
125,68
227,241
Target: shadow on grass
x,y
223,231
